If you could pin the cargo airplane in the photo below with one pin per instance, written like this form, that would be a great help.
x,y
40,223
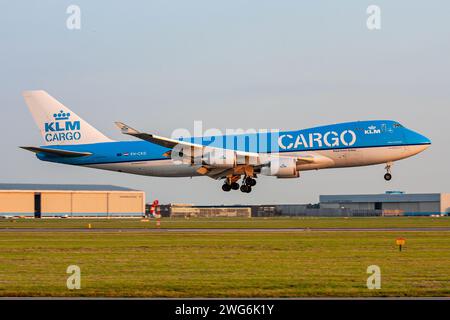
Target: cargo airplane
x,y
68,139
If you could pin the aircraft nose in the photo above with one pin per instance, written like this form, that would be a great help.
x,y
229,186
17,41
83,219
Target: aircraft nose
x,y
423,139
414,137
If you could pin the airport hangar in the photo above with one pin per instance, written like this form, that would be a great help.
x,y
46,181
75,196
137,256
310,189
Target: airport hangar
x,y
36,200
391,203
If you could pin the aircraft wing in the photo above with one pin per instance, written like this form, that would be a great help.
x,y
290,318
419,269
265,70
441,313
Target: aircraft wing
x,y
197,149
246,161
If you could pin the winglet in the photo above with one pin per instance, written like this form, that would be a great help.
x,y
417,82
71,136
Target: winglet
x,y
126,129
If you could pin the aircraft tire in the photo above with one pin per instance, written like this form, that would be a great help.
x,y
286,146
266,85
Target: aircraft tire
x,y
251,182
235,186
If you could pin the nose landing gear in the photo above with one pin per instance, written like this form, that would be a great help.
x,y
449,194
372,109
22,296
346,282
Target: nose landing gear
x,y
388,175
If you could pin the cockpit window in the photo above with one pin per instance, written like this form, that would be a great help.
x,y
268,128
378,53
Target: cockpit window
x,y
397,125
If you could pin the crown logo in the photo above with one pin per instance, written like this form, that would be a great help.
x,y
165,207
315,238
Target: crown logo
x,y
61,115
372,127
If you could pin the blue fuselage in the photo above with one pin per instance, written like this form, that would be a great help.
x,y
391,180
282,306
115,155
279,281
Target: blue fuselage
x,y
351,135
234,155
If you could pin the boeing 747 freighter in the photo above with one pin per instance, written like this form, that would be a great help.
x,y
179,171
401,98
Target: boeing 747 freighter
x,y
68,139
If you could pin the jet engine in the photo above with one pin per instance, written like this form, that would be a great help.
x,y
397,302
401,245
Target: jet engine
x,y
219,158
281,168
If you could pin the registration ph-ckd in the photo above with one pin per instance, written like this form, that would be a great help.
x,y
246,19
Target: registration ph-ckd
x,y
224,309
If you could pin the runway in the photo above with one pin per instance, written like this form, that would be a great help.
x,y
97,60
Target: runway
x,y
223,230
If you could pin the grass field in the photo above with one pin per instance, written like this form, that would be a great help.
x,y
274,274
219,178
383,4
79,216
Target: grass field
x,y
226,264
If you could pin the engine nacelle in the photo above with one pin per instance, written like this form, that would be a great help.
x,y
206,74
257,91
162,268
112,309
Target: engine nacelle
x,y
281,168
219,158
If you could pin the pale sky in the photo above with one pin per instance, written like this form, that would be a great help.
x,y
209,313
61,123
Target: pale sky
x,y
161,65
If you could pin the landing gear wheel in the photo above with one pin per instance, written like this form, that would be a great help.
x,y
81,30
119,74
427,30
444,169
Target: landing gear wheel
x,y
246,189
387,176
250,181
235,186
226,187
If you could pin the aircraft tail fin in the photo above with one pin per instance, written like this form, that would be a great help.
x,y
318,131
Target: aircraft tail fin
x,y
57,123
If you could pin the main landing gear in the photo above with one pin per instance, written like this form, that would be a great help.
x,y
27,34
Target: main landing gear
x,y
226,187
388,175
248,183
232,186
246,187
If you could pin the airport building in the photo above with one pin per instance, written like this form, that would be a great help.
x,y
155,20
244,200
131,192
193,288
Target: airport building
x,y
46,200
191,211
391,203
360,205
49,200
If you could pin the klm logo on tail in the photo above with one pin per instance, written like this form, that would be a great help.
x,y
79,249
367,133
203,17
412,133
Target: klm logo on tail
x,y
62,129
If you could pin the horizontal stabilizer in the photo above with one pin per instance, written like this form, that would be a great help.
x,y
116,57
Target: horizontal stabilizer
x,y
57,152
